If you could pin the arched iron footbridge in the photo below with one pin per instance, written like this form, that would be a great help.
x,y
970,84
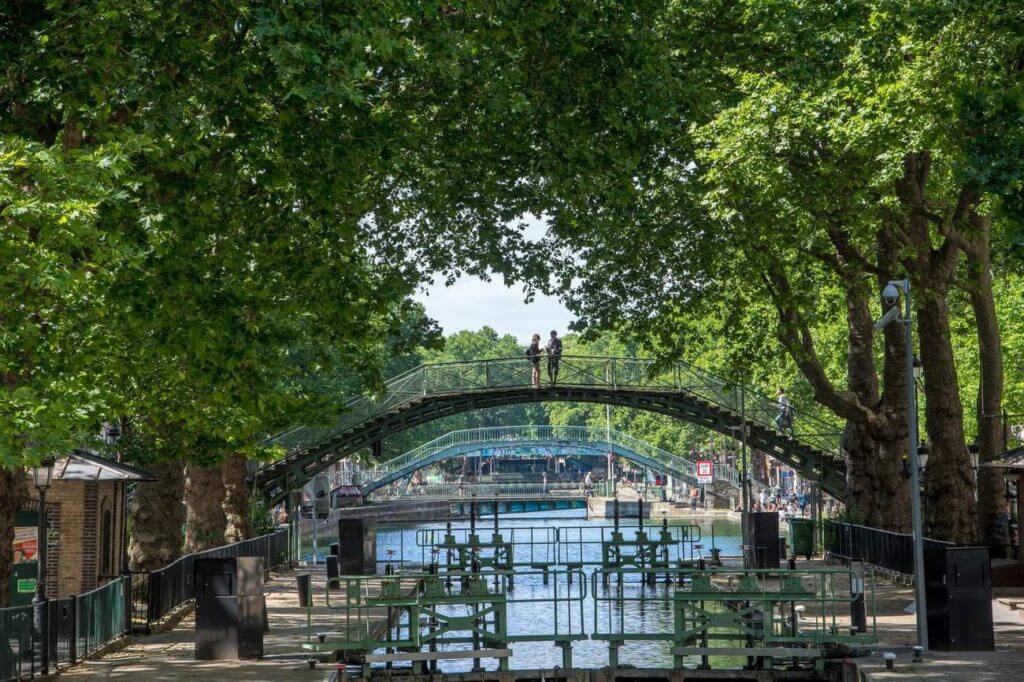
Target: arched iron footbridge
x,y
809,444
531,441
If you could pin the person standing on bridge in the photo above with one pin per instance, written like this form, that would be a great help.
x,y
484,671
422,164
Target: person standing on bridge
x,y
554,349
533,355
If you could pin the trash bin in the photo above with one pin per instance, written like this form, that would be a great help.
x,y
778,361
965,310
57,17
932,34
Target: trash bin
x,y
303,582
801,537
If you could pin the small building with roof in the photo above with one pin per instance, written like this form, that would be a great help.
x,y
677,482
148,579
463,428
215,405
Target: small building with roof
x,y
86,522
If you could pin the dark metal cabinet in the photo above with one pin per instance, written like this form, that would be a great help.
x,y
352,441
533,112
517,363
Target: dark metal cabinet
x,y
230,608
761,539
357,547
958,589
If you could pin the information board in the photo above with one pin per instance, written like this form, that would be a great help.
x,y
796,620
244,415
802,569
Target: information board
x,y
705,471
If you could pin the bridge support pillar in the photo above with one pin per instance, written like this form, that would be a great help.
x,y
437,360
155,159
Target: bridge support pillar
x,y
613,652
377,450
566,647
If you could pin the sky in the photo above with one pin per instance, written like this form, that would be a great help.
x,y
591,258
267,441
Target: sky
x,y
471,303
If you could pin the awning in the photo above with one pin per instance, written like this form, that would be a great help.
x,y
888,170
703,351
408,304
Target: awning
x,y
82,465
1011,459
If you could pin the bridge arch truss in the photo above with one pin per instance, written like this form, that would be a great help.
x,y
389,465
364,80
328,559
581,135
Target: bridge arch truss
x,y
429,392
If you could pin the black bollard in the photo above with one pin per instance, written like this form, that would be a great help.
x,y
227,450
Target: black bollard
x,y
333,572
303,583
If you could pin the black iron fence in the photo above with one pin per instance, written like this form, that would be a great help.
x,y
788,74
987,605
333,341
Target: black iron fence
x,y
881,548
156,594
78,626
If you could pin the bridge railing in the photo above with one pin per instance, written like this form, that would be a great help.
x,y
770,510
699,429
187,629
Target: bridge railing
x,y
461,377
533,433
482,490
557,435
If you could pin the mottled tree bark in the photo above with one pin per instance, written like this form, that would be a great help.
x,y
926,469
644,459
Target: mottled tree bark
x,y
157,513
759,466
877,491
236,498
204,511
991,435
874,439
12,496
949,484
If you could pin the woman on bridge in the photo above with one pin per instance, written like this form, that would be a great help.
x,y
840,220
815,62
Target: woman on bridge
x,y
533,354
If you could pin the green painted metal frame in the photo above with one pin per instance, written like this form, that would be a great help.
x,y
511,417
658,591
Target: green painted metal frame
x,y
418,612
715,613
712,606
429,392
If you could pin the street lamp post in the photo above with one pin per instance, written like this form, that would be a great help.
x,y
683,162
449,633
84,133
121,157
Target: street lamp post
x,y
891,295
42,478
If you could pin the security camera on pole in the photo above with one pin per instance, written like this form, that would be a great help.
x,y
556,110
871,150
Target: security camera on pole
x,y
891,295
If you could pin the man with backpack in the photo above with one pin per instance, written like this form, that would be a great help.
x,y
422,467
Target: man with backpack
x,y
554,349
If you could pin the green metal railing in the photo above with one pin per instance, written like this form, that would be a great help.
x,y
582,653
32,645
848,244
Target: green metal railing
x,y
729,616
455,491
577,371
102,616
540,436
77,627
735,613
415,610
18,642
495,436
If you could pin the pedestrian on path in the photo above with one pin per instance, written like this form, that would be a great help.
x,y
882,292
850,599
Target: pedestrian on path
x,y
784,419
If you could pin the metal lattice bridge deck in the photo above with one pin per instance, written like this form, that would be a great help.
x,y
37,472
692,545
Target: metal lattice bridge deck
x,y
808,443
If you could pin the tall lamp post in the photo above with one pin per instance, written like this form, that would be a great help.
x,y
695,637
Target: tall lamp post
x,y
42,478
891,295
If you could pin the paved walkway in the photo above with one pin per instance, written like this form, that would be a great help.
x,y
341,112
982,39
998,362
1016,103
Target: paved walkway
x,y
168,655
1004,664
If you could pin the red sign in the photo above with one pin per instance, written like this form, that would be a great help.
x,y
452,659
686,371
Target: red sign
x,y
705,471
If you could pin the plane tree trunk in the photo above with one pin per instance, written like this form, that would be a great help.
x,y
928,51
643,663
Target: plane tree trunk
x,y
236,498
992,528
12,495
204,512
157,516
932,250
949,483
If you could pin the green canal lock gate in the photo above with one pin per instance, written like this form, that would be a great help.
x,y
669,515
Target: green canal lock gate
x,y
458,608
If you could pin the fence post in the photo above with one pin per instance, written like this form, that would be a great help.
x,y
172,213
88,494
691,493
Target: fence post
x,y
153,611
126,592
858,609
73,643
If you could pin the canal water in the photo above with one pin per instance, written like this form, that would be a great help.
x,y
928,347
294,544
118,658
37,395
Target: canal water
x,y
583,605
